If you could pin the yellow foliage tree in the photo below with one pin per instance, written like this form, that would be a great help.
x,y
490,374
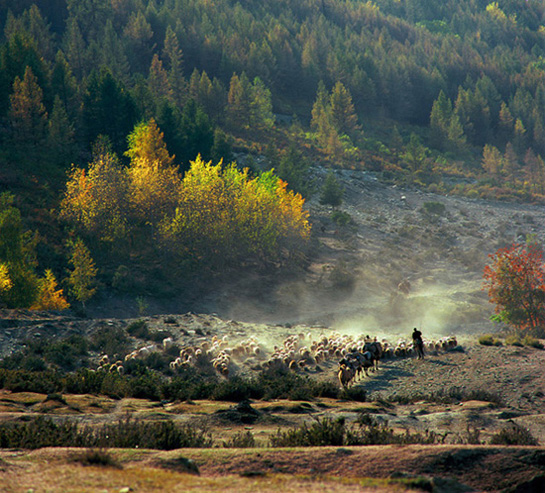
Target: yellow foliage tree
x,y
96,200
226,217
49,296
146,143
5,282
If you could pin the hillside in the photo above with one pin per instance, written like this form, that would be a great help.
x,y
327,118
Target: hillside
x,y
443,97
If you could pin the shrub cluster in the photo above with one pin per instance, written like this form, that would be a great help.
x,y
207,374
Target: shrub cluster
x,y
143,379
489,340
453,395
513,434
126,433
366,431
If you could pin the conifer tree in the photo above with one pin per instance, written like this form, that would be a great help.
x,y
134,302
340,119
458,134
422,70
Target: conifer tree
x,y
61,134
332,191
239,102
146,143
82,279
27,115
75,48
492,162
261,115
343,114
174,61
158,80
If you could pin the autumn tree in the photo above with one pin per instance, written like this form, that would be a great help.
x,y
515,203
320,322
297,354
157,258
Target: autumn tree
x,y
28,116
225,218
153,181
515,281
146,143
96,199
50,296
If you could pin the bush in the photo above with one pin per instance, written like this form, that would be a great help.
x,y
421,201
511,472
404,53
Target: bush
x,y
97,457
513,435
489,340
434,208
532,342
328,432
514,340
110,340
126,433
241,440
138,329
341,218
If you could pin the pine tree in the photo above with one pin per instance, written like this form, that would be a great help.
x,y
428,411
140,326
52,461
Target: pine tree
x,y
239,102
75,48
82,279
506,124
64,84
146,143
343,114
321,116
440,117
174,61
492,162
261,115
332,191
158,80
27,115
61,134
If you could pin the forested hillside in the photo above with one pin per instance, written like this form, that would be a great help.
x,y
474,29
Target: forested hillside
x,y
116,114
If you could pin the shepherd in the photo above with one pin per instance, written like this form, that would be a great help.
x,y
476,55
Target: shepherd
x,y
418,343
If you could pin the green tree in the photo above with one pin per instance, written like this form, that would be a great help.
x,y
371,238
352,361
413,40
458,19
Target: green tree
x,y
20,285
82,278
174,61
108,109
261,115
332,191
343,114
239,102
61,134
293,168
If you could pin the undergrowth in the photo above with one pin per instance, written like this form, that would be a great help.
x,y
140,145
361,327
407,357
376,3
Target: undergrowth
x,y
336,432
42,432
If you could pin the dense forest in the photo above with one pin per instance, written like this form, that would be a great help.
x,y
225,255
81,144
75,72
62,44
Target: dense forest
x,y
122,122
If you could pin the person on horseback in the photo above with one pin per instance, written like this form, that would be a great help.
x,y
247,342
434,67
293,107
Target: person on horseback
x,y
418,343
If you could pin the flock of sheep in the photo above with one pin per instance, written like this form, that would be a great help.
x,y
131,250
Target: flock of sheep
x,y
355,354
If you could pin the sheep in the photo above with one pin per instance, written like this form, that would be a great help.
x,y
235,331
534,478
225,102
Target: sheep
x,y
168,342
